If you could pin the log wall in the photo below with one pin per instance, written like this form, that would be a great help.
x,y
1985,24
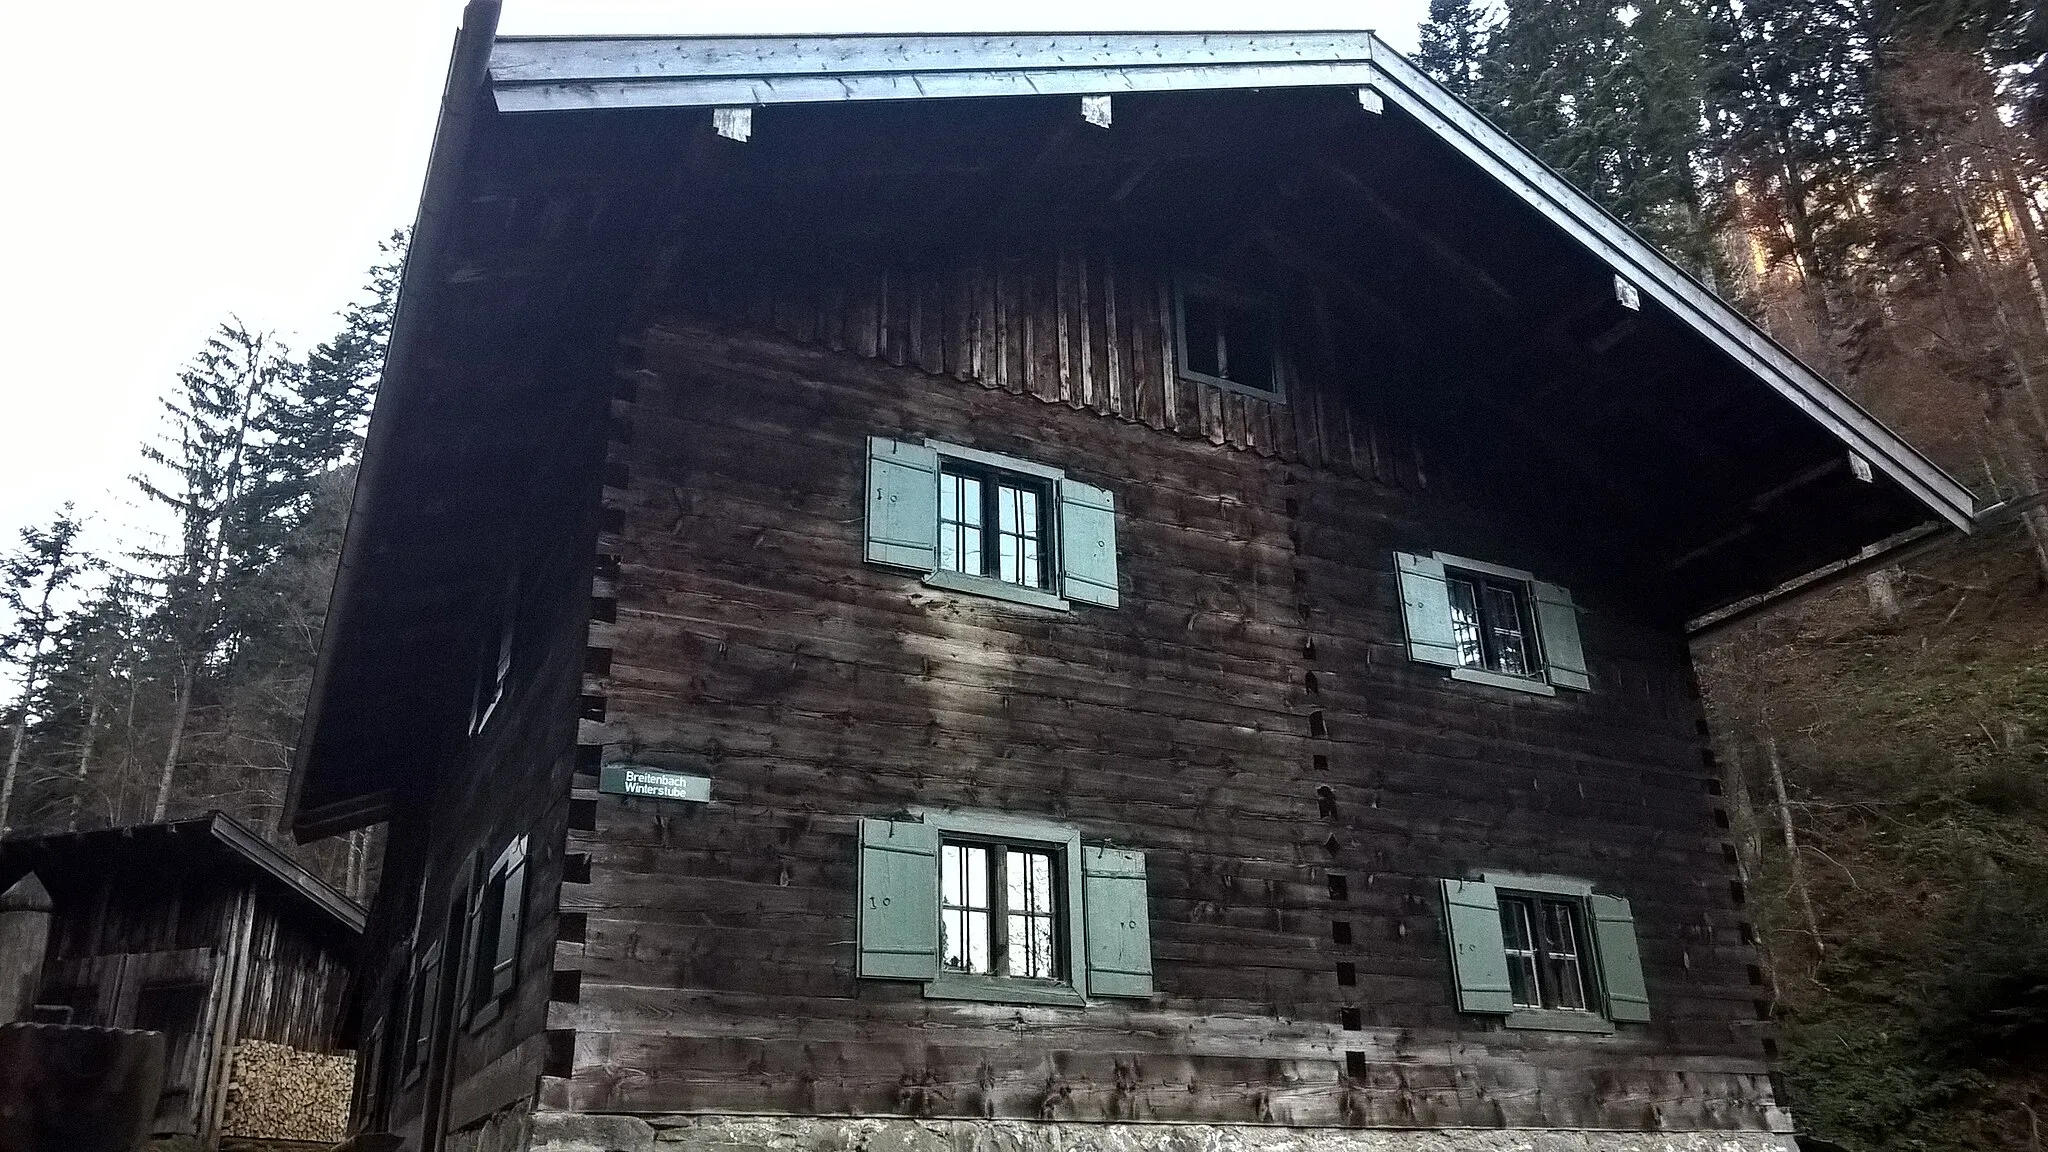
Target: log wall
x,y
710,967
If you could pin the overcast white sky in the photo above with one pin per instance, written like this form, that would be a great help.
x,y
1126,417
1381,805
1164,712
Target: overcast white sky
x,y
168,164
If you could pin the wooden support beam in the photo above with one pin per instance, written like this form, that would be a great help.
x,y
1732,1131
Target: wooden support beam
x,y
733,123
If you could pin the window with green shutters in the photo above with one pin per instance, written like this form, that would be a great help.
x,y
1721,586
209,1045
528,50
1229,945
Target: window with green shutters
x,y
1011,910
497,913
1543,952
1490,625
973,521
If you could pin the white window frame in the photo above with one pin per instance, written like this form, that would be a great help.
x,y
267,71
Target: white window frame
x,y
1064,841
1593,1018
979,585
1243,298
1538,684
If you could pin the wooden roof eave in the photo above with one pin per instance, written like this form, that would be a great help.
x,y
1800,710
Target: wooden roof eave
x,y
468,73
564,73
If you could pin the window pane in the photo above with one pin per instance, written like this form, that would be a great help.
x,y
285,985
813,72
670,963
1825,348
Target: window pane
x,y
1465,622
1202,329
1031,947
963,907
977,878
1248,349
1019,528
1504,621
1564,977
1041,883
978,946
1517,933
960,523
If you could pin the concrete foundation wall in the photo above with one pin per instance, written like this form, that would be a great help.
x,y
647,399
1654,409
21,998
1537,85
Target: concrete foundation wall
x,y
582,1132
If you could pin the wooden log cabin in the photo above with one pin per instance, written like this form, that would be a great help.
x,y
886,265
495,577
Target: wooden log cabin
x,y
202,931
1108,591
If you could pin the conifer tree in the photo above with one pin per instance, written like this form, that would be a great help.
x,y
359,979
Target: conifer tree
x,y
46,565
207,457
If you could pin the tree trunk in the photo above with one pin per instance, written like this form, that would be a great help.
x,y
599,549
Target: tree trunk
x,y
181,711
19,735
1884,592
92,727
1748,838
1792,860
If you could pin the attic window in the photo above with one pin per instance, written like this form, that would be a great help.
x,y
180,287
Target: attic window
x,y
1227,338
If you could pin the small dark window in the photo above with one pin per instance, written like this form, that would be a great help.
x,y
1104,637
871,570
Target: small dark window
x,y
1228,339
1491,621
1000,912
1546,946
994,523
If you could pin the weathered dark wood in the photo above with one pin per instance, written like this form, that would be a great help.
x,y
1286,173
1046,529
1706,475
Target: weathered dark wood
x,y
715,973
77,1088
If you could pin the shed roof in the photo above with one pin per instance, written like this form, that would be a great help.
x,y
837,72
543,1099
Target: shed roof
x,y
215,834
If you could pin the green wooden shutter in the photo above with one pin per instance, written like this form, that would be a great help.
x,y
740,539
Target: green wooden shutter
x,y
1621,963
1087,544
1118,922
1557,621
419,1029
511,912
899,900
903,504
1426,610
1479,958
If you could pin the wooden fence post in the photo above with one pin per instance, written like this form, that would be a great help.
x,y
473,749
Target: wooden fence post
x,y
24,935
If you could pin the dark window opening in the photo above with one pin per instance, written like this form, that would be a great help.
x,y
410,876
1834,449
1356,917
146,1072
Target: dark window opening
x,y
1491,621
1546,947
1000,911
994,524
1227,339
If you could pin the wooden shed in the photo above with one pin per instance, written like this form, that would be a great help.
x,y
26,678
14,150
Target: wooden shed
x,y
202,931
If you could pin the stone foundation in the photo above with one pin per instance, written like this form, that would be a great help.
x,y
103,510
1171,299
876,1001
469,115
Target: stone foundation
x,y
578,1132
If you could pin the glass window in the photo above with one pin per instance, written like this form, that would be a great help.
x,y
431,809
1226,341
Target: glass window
x,y
1544,937
975,503
999,910
1491,623
1228,339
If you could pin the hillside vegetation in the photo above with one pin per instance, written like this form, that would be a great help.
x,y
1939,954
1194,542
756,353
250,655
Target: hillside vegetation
x,y
1913,750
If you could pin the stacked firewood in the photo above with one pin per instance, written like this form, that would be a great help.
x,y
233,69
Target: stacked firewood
x,y
278,1092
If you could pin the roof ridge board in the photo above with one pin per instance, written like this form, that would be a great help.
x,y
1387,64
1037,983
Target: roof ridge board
x,y
638,59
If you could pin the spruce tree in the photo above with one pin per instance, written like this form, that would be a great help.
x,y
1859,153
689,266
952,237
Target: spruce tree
x,y
32,579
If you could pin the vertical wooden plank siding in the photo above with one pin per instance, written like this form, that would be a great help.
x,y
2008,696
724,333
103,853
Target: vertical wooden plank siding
x,y
1071,326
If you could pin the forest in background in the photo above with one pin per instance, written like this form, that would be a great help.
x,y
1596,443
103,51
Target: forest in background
x,y
1866,179
167,680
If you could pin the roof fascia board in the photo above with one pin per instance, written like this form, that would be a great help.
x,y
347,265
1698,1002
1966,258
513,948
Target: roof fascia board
x,y
468,74
1521,172
286,871
543,59
755,91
